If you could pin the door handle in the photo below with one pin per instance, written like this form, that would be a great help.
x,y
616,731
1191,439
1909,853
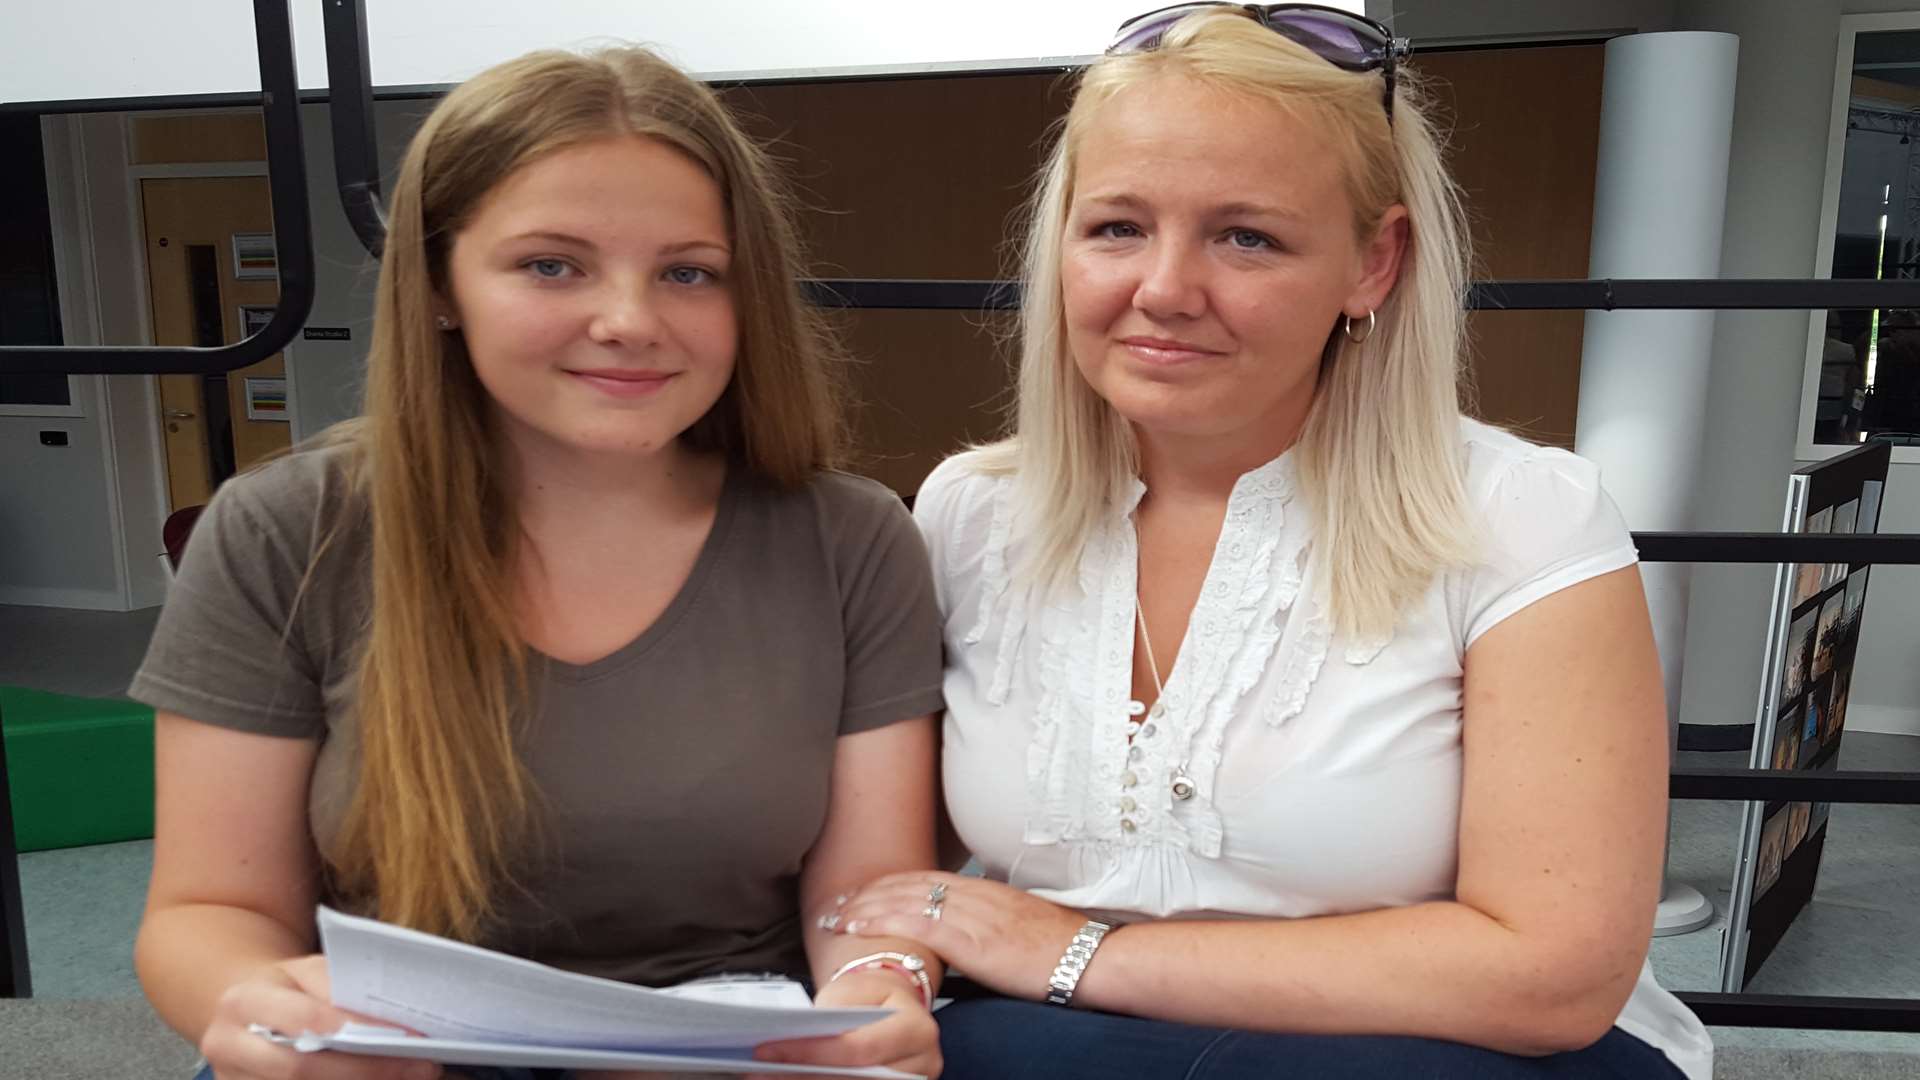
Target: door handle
x,y
177,414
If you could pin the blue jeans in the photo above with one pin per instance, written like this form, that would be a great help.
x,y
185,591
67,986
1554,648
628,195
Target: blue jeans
x,y
994,1038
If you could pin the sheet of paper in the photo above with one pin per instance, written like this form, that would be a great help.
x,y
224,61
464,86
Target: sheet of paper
x,y
388,1042
775,992
447,990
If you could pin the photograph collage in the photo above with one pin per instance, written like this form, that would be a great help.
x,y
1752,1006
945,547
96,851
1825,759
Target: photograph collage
x,y
1815,675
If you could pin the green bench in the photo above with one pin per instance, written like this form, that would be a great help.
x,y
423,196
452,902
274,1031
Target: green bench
x,y
81,769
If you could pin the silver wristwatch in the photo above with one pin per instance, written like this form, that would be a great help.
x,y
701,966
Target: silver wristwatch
x,y
1073,962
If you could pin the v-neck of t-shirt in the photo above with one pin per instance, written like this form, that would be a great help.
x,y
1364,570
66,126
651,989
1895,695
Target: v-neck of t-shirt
x,y
731,490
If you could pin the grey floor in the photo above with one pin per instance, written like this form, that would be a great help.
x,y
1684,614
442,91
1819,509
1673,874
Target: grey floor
x,y
83,653
1859,936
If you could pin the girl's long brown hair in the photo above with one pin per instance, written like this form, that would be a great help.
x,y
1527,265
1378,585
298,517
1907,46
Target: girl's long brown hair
x,y
443,804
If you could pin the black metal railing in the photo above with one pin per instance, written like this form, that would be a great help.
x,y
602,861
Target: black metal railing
x,y
292,231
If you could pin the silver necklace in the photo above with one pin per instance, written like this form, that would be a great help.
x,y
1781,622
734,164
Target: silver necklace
x,y
1182,784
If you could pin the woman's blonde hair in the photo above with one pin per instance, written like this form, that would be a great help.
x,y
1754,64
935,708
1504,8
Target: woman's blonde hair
x,y
1379,458
443,802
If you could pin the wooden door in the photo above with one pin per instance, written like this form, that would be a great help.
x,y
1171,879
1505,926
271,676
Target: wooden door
x,y
198,296
1525,140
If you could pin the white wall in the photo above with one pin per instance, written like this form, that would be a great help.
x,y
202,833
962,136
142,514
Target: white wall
x,y
78,529
1782,105
326,376
1773,210
56,537
93,49
1468,22
80,524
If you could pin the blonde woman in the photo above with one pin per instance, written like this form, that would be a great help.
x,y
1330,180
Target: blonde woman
x,y
574,646
1303,727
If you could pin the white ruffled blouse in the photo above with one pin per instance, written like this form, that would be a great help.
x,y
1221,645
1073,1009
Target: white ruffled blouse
x,y
1321,776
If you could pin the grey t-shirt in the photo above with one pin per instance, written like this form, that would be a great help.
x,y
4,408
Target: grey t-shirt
x,y
681,779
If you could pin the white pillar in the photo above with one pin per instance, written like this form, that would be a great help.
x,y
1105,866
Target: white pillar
x,y
1660,192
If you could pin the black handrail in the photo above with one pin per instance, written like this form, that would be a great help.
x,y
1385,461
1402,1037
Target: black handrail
x,y
356,172
356,162
1601,294
15,978
1809,1011
1795,785
293,241
1893,549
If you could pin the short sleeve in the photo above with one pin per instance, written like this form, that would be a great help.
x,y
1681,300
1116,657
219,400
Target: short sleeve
x,y
225,650
940,509
1548,525
891,619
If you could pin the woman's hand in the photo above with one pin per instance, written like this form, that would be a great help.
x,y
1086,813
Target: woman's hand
x,y
291,997
998,936
907,1041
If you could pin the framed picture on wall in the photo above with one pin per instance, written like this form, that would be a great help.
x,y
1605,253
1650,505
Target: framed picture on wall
x,y
267,399
254,257
254,318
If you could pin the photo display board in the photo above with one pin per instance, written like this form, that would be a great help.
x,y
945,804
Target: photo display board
x,y
1811,642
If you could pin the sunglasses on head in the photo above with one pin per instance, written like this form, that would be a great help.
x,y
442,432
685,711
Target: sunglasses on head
x,y
1341,38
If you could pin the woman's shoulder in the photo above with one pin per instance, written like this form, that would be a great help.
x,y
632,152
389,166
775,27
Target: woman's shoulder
x,y
1538,504
838,489
291,493
964,485
1498,461
845,514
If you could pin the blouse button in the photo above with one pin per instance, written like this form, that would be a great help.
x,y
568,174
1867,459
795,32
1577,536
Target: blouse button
x,y
1158,712
1127,805
1150,731
1127,824
1128,779
1134,753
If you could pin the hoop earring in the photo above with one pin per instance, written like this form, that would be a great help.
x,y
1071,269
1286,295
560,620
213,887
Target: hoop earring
x,y
1348,329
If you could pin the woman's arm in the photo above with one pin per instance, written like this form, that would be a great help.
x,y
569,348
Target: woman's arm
x,y
1563,815
1562,823
880,820
227,938
234,871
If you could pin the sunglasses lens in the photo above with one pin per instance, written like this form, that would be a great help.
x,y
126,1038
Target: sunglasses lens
x,y
1346,44
1145,32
